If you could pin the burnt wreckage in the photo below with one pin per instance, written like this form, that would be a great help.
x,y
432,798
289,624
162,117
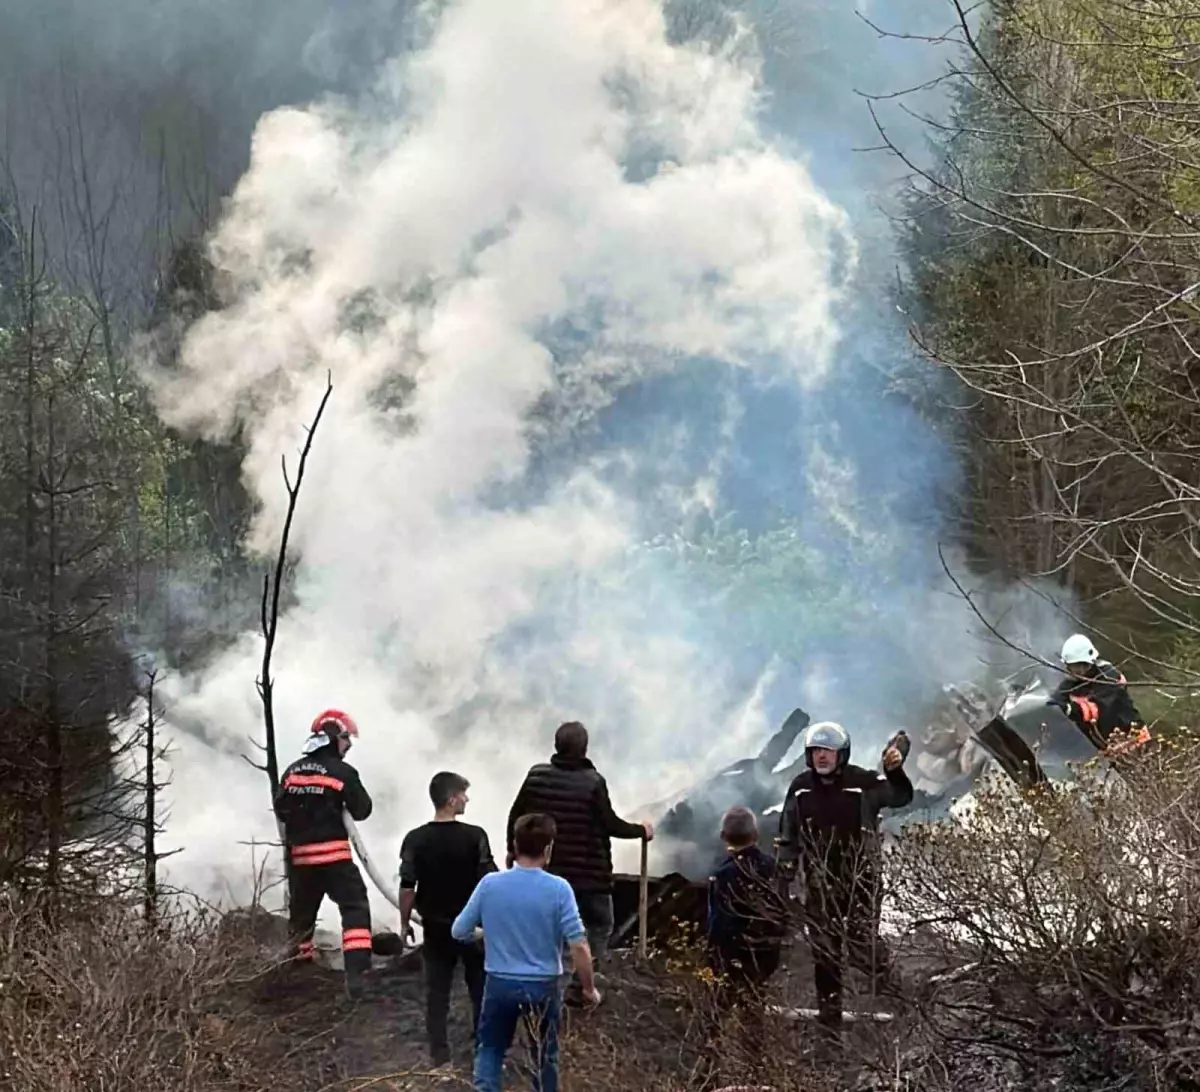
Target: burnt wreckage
x,y
1028,740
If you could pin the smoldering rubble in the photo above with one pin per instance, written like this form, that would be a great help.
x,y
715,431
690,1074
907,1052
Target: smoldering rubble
x,y
972,734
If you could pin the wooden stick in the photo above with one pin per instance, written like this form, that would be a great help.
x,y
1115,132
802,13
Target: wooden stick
x,y
643,901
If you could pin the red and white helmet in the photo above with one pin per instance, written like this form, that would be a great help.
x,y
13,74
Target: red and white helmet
x,y
334,723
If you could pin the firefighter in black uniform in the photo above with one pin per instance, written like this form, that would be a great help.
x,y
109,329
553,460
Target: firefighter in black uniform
x,y
1094,693
312,794
829,841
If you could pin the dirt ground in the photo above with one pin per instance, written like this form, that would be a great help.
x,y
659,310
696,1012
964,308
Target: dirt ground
x,y
645,1035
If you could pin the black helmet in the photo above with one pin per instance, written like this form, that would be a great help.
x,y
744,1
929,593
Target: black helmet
x,y
831,735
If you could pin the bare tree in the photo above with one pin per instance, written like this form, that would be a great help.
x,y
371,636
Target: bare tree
x,y
271,590
1055,257
154,751
269,616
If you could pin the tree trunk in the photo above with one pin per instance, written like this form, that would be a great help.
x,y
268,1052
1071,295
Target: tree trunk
x,y
150,855
55,834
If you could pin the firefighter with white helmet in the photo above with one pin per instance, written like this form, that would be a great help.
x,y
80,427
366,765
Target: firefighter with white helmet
x,y
828,838
313,792
1094,693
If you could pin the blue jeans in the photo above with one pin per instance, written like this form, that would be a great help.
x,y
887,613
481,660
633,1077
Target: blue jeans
x,y
507,1001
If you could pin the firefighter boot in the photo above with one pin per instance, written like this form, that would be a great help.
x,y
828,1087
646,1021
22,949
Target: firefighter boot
x,y
357,965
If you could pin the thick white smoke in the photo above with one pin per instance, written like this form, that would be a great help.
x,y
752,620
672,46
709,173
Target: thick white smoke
x,y
538,165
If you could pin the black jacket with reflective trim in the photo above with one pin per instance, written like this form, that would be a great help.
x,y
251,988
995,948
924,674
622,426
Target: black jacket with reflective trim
x,y
1105,687
312,793
831,824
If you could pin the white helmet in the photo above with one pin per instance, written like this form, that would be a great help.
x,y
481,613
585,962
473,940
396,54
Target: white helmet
x,y
1077,649
830,735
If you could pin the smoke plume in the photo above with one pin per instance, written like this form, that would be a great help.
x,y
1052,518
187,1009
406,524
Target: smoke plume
x,y
611,436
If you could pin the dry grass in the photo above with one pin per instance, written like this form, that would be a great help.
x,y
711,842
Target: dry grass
x,y
103,1004
1068,921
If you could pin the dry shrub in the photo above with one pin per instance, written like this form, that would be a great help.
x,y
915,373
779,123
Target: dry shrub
x,y
649,1034
1069,919
1065,919
103,1003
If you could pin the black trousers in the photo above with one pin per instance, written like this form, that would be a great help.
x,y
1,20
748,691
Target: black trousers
x,y
343,883
596,913
442,954
737,995
843,928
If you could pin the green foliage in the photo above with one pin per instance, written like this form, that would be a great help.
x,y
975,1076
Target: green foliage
x,y
1051,257
772,591
99,506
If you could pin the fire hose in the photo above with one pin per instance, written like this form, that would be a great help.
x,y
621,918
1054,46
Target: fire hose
x,y
360,847
372,870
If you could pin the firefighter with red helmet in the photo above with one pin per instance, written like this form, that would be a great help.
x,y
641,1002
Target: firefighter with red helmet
x,y
312,794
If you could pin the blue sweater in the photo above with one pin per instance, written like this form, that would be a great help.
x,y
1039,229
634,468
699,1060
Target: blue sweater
x,y
526,915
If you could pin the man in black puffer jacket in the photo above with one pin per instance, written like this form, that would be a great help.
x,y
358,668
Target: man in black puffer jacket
x,y
570,789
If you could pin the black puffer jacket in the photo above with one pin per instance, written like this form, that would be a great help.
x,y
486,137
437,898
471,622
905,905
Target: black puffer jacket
x,y
572,791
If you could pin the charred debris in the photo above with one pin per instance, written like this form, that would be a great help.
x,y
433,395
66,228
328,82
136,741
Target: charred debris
x,y
968,738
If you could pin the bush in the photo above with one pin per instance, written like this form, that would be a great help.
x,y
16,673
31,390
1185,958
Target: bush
x,y
102,1002
1068,917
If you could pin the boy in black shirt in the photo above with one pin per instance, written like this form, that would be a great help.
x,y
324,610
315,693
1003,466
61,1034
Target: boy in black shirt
x,y
440,864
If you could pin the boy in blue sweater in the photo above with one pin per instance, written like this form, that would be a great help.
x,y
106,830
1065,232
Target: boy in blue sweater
x,y
527,915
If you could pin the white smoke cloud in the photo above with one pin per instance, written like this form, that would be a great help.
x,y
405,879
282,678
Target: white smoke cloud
x,y
429,240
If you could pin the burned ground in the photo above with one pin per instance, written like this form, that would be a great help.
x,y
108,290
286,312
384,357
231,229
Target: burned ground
x,y
1048,942
645,1035
209,1008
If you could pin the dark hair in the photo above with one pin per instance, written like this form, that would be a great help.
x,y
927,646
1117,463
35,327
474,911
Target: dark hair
x,y
444,785
532,834
571,740
331,729
739,827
